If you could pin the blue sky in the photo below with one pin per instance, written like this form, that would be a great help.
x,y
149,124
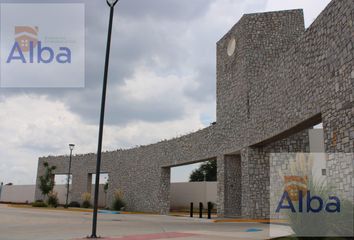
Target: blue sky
x,y
161,82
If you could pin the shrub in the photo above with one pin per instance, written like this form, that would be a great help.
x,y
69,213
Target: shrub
x,y
342,223
39,203
53,200
86,200
118,202
74,204
86,204
303,224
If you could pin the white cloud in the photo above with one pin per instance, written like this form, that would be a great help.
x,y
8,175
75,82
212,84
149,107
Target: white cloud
x,y
34,126
146,84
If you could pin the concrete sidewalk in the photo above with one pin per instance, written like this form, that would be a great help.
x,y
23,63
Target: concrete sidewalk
x,y
39,224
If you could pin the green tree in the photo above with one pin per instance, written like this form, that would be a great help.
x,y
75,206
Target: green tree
x,y
46,182
207,170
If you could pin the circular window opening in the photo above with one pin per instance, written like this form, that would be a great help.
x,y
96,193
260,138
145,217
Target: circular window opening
x,y
231,47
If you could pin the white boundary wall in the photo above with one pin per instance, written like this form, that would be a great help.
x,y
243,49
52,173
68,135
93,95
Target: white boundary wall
x,y
25,194
182,194
17,193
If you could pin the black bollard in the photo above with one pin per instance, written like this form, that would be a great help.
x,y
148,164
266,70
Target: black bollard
x,y
191,210
210,206
200,210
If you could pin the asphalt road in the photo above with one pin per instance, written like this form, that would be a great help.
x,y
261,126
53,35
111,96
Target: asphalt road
x,y
44,224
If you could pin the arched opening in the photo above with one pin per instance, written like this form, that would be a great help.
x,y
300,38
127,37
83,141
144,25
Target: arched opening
x,y
193,183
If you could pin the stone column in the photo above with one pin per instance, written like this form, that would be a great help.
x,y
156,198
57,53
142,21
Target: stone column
x,y
164,191
80,183
229,185
220,186
338,104
338,129
40,171
255,183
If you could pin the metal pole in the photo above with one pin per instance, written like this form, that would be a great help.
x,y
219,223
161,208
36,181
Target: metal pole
x,y
209,210
100,134
191,210
200,210
68,181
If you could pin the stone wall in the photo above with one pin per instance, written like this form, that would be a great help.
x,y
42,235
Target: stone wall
x,y
274,79
256,174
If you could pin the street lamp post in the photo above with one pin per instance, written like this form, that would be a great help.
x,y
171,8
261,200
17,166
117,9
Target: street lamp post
x,y
205,186
71,146
111,4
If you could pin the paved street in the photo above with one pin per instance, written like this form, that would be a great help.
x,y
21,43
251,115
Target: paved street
x,y
44,224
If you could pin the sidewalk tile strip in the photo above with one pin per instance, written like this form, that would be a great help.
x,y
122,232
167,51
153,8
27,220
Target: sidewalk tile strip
x,y
153,236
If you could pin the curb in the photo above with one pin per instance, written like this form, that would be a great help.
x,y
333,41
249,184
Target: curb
x,y
269,221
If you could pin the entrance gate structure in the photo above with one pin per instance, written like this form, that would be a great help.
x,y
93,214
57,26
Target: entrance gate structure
x,y
275,80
